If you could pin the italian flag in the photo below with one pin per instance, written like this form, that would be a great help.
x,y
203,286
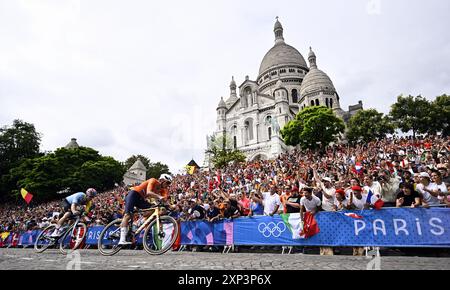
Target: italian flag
x,y
293,223
26,195
300,230
169,232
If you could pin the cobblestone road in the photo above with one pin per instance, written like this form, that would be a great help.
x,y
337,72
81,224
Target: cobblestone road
x,y
127,259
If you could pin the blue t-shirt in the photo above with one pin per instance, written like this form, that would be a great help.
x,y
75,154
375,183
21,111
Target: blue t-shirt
x,y
257,208
77,198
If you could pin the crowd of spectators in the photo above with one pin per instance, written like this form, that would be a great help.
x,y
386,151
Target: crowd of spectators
x,y
400,172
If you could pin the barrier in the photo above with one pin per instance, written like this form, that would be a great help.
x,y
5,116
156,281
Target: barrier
x,y
220,233
400,227
386,227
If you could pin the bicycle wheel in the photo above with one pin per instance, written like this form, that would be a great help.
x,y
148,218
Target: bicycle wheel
x,y
44,239
73,238
108,241
156,240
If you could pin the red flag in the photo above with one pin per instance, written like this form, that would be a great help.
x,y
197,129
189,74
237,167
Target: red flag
x,y
26,195
177,243
378,204
310,226
353,215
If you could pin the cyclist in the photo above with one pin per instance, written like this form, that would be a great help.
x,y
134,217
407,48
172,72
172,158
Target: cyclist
x,y
70,205
136,197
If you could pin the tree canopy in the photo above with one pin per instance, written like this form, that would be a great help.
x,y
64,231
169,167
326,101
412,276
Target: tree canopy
x,y
312,128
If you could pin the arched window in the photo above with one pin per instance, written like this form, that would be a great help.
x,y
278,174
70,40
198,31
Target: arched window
x,y
317,102
249,129
235,142
326,102
331,103
294,96
269,132
312,102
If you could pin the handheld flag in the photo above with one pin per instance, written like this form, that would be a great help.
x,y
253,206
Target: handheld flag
x,y
26,195
190,169
310,226
378,204
353,215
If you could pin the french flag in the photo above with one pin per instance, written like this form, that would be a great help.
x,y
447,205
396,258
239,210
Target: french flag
x,y
353,215
377,204
358,167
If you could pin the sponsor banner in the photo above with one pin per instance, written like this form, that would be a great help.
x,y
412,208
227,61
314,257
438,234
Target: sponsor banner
x,y
206,233
401,227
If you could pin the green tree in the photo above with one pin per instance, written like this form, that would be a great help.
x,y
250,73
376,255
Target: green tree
x,y
73,169
17,142
368,125
156,169
412,113
312,128
221,151
440,115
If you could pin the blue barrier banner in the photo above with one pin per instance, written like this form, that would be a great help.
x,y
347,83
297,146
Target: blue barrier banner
x,y
93,233
28,238
206,233
403,227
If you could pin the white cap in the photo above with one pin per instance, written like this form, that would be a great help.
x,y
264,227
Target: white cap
x,y
327,179
424,174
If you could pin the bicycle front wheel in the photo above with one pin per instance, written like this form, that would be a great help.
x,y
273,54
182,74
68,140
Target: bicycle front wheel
x,y
73,238
158,240
108,241
45,240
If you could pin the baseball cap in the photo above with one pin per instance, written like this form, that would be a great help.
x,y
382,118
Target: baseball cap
x,y
424,174
356,188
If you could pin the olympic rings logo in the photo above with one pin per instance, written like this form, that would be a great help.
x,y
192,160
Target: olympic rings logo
x,y
271,229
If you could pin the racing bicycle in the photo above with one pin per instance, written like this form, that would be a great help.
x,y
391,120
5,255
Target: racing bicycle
x,y
70,239
160,233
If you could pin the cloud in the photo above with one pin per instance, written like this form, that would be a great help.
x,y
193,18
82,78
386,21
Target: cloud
x,y
145,77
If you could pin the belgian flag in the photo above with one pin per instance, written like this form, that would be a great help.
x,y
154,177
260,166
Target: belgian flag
x,y
26,195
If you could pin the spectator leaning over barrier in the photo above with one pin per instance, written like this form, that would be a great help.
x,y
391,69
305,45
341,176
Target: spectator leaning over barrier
x,y
271,201
341,202
196,211
358,199
424,188
212,214
328,191
309,202
230,210
390,185
256,204
408,196
372,185
293,202
328,198
439,188
244,203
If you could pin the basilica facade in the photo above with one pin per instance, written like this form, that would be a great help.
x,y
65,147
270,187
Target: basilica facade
x,y
255,111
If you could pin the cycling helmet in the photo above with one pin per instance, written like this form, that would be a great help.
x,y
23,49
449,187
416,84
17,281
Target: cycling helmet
x,y
166,177
91,192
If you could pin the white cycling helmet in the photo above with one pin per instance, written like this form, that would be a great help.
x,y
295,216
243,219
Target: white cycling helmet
x,y
91,192
166,177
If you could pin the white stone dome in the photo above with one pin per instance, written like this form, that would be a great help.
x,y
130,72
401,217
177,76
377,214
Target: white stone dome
x,y
281,54
316,81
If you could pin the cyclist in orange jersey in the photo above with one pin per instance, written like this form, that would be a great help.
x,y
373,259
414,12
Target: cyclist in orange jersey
x,y
137,196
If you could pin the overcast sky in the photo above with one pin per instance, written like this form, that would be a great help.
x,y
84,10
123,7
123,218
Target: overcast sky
x,y
145,77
